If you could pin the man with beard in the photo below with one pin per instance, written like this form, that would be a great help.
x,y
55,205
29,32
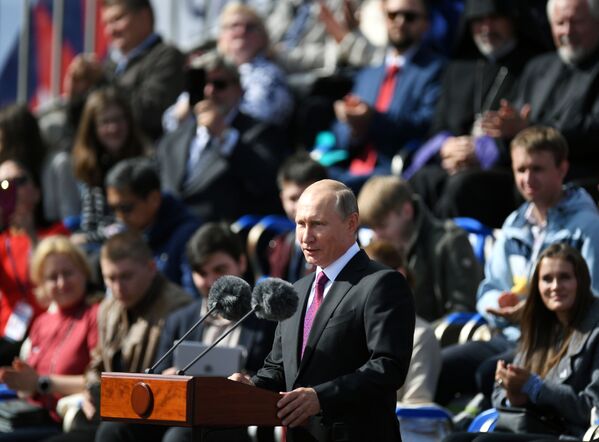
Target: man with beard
x,y
561,89
392,104
491,56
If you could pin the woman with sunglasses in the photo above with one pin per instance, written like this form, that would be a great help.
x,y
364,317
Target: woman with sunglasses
x,y
60,340
555,373
23,226
106,135
21,140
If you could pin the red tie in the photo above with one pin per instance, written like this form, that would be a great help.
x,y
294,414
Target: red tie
x,y
365,161
321,281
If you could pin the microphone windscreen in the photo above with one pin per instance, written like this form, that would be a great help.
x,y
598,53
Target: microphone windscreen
x,y
232,297
275,299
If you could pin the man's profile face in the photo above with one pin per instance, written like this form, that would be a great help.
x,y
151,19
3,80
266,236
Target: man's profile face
x,y
135,212
216,265
290,195
491,33
406,22
121,27
394,227
127,279
320,230
538,178
575,31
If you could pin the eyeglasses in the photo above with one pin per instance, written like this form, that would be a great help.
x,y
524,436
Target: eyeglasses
x,y
124,208
249,27
220,84
18,181
408,16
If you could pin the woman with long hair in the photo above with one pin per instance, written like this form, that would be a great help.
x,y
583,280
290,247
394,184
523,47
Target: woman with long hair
x,y
106,135
555,374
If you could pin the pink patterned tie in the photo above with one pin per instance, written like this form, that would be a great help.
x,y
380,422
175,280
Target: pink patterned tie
x,y
321,281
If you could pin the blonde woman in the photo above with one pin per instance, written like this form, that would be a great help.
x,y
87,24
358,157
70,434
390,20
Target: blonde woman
x,y
62,338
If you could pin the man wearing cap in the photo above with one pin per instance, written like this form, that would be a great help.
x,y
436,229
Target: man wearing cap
x,y
491,54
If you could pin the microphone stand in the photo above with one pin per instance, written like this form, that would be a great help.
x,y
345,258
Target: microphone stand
x,y
215,343
187,333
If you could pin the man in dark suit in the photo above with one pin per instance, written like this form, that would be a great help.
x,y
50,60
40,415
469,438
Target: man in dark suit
x,y
391,105
341,357
223,163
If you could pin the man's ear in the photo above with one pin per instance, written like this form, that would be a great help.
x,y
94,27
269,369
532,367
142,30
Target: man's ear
x,y
243,263
563,168
407,210
154,198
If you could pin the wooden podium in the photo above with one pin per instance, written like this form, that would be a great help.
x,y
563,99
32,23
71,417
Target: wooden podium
x,y
185,401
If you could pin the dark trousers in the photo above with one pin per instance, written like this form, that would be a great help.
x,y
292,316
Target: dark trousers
x,y
470,368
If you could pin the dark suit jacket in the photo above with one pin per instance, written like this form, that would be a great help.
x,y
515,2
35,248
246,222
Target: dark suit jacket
x,y
256,336
356,357
152,82
228,187
412,106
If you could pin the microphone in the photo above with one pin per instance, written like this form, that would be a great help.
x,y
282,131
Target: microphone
x,y
229,296
273,299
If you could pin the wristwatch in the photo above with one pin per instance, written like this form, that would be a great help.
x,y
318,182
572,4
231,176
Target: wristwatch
x,y
44,384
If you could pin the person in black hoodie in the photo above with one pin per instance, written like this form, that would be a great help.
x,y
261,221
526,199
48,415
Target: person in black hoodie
x,y
489,59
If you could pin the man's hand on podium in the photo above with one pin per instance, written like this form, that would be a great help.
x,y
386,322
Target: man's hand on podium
x,y
241,377
297,406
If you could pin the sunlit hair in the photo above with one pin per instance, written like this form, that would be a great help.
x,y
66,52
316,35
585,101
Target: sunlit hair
x,y
380,195
541,329
593,8
90,159
345,200
56,245
542,139
248,12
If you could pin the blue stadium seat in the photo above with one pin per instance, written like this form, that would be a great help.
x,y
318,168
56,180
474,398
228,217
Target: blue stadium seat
x,y
478,234
424,423
484,422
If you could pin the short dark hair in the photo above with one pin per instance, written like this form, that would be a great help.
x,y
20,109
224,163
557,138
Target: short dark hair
x,y
131,5
301,169
126,245
136,175
542,139
212,238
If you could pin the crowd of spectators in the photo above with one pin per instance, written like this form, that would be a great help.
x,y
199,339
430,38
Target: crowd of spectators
x,y
116,203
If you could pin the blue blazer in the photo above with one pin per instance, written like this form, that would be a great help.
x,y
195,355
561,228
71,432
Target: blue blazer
x,y
412,107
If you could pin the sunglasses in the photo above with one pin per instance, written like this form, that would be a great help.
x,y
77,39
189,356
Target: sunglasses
x,y
219,84
18,181
124,208
408,16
